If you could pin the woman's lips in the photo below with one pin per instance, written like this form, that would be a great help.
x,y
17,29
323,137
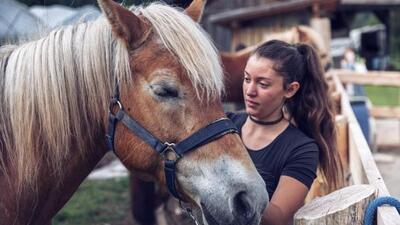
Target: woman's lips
x,y
251,103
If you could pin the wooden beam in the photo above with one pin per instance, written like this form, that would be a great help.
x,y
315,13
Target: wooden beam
x,y
369,2
344,206
376,78
268,10
385,112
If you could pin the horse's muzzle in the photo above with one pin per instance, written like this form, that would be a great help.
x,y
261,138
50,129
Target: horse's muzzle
x,y
225,191
242,208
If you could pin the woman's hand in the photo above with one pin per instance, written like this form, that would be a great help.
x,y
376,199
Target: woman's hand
x,y
288,198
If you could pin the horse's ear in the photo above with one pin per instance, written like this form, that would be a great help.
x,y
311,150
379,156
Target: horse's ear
x,y
125,24
302,34
195,9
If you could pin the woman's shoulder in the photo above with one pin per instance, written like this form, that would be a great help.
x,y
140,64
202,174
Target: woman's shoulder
x,y
298,138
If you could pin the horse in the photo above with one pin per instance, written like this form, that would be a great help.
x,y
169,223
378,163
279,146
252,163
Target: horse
x,y
123,82
234,63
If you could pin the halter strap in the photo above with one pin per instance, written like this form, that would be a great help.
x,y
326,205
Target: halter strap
x,y
171,152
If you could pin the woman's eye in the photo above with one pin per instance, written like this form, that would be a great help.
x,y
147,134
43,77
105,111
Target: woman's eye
x,y
165,91
247,80
264,85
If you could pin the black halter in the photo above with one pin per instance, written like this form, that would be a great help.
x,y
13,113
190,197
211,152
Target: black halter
x,y
171,152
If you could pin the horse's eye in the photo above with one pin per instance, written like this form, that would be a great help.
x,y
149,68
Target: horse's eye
x,y
165,91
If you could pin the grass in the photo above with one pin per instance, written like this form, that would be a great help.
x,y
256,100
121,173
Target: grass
x,y
97,203
383,96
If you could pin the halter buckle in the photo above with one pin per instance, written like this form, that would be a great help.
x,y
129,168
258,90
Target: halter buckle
x,y
169,152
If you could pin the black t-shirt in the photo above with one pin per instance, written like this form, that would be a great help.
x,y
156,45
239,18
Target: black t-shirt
x,y
291,153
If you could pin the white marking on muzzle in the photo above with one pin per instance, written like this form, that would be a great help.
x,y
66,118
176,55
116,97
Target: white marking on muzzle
x,y
215,184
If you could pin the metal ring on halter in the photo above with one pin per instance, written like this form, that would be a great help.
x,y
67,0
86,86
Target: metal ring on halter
x,y
114,103
169,152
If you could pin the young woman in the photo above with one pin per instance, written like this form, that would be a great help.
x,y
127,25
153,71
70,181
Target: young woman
x,y
288,127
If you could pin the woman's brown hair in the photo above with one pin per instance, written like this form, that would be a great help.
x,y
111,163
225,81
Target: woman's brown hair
x,y
310,108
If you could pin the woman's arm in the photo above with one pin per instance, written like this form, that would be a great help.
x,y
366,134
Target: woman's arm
x,y
287,199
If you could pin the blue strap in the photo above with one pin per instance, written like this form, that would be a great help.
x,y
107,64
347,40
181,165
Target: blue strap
x,y
112,120
169,170
205,135
140,131
369,216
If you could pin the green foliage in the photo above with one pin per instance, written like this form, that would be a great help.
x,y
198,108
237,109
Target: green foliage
x,y
365,19
383,96
97,202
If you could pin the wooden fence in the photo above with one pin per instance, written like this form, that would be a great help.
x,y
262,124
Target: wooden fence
x,y
360,168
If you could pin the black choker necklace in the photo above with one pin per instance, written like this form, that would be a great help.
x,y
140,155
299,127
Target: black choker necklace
x,y
267,122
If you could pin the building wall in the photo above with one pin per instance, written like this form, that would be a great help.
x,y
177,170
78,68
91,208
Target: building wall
x,y
250,32
256,31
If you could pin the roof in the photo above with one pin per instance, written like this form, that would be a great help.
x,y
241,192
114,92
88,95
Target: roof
x,y
370,2
232,17
265,10
16,20
59,15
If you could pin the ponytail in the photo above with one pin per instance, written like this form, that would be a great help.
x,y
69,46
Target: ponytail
x,y
310,108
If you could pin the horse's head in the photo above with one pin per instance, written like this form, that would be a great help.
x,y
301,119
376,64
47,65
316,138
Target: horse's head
x,y
175,89
304,34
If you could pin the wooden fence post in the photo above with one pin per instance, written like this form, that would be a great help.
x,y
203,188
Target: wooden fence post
x,y
345,206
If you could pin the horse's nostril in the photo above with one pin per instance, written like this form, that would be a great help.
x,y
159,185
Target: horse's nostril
x,y
242,208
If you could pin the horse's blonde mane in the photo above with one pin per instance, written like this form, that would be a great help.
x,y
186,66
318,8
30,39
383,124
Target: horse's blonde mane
x,y
54,92
190,44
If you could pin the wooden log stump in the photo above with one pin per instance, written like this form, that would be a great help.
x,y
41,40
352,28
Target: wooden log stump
x,y
344,206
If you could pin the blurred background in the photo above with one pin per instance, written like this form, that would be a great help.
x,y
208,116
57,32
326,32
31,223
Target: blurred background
x,y
367,27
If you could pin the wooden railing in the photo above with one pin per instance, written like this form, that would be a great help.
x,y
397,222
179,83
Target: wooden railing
x,y
376,78
360,168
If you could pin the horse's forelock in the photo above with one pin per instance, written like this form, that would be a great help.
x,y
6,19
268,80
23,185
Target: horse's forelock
x,y
190,44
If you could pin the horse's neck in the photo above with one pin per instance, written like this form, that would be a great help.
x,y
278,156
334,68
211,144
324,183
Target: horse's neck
x,y
51,196
75,172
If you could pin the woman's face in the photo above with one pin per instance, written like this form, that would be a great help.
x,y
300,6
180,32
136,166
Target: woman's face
x,y
263,90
